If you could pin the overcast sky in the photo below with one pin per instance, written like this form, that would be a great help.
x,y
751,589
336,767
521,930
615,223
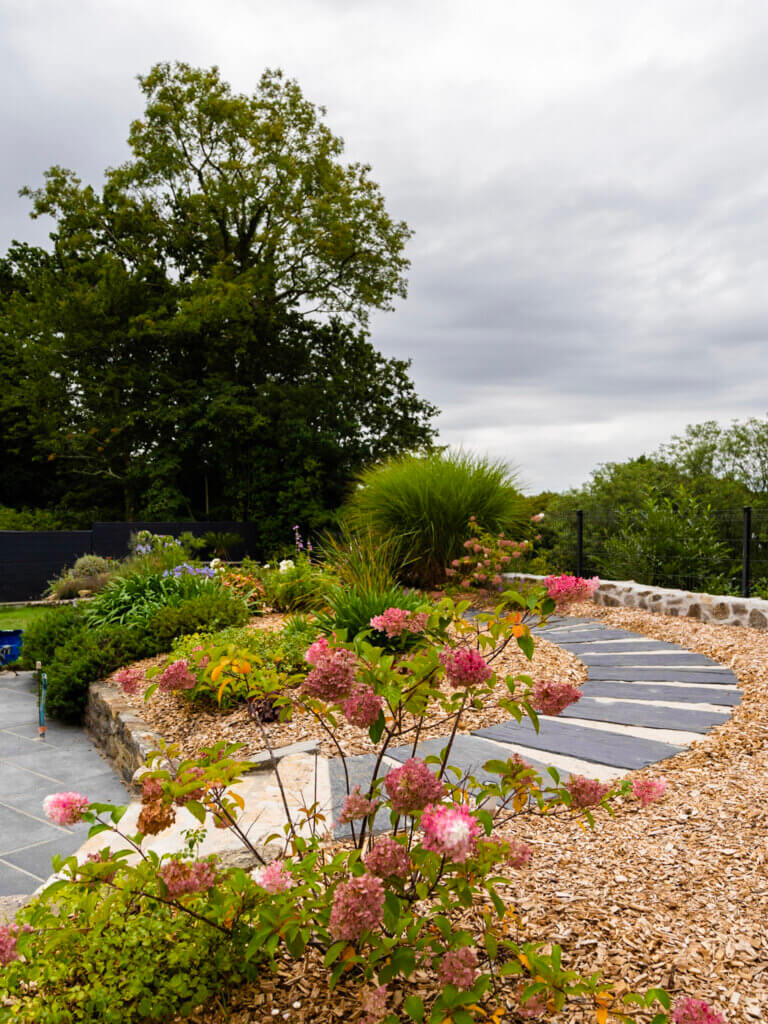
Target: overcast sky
x,y
587,182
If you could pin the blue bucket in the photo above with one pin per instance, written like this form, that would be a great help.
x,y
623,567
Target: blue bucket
x,y
10,645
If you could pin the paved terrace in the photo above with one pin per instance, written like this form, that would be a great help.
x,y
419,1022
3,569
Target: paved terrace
x,y
30,769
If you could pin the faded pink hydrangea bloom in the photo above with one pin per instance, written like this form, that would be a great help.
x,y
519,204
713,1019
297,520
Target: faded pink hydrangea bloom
x,y
396,621
586,792
565,590
362,708
412,787
358,907
695,1011
333,677
388,859
535,1006
129,679
519,853
176,676
181,877
465,667
186,778
151,789
65,808
458,967
316,651
450,830
274,877
648,791
356,806
374,1003
550,697
8,938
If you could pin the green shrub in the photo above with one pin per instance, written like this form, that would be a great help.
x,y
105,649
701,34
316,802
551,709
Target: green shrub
x,y
212,610
44,634
69,585
90,565
352,608
123,957
362,559
136,597
85,657
299,585
425,503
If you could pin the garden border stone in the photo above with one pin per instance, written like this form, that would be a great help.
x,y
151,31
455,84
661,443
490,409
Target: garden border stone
x,y
718,608
126,739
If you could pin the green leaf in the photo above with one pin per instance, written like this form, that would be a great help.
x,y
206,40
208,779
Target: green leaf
x,y
414,1007
659,994
95,829
196,809
526,645
376,731
334,952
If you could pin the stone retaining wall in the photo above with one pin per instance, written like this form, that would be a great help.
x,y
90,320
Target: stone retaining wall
x,y
730,611
117,730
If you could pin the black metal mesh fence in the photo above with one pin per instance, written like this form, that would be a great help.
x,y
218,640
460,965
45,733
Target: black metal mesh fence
x,y
726,553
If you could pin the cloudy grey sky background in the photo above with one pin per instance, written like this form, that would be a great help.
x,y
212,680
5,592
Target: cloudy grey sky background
x,y
588,184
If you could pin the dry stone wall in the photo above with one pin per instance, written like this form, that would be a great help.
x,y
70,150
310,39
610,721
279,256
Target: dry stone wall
x,y
730,611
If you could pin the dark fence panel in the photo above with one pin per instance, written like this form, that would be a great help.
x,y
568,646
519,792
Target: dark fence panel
x,y
111,539
30,558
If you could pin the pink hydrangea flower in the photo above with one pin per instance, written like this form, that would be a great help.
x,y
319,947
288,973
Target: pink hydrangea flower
x,y
565,590
695,1011
396,621
316,651
451,831
9,935
458,967
65,808
358,907
648,791
465,666
518,854
274,877
176,676
129,679
535,1006
362,708
586,792
388,859
550,697
356,806
181,877
333,677
412,787
374,1003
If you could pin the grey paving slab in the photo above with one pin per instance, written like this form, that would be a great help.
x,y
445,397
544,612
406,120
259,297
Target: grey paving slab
x,y
651,659
469,753
660,691
650,716
360,771
596,745
14,882
37,859
18,830
13,743
619,646
662,675
20,782
584,636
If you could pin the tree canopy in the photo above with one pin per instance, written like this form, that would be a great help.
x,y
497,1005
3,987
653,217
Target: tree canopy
x,y
193,342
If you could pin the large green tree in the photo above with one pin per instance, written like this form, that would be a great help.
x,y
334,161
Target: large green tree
x,y
193,344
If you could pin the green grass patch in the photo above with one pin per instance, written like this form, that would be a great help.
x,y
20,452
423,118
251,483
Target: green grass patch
x,y
20,618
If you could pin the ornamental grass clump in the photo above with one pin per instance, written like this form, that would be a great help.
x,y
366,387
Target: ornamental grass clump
x,y
416,919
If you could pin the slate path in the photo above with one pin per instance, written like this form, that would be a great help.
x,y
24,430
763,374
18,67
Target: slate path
x,y
30,769
644,700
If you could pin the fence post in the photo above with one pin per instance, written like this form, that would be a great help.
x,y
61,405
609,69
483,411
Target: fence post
x,y
580,543
746,550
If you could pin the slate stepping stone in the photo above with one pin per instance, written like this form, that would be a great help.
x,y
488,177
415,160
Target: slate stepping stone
x,y
682,658
619,647
584,636
663,675
360,771
469,753
597,745
649,716
658,691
